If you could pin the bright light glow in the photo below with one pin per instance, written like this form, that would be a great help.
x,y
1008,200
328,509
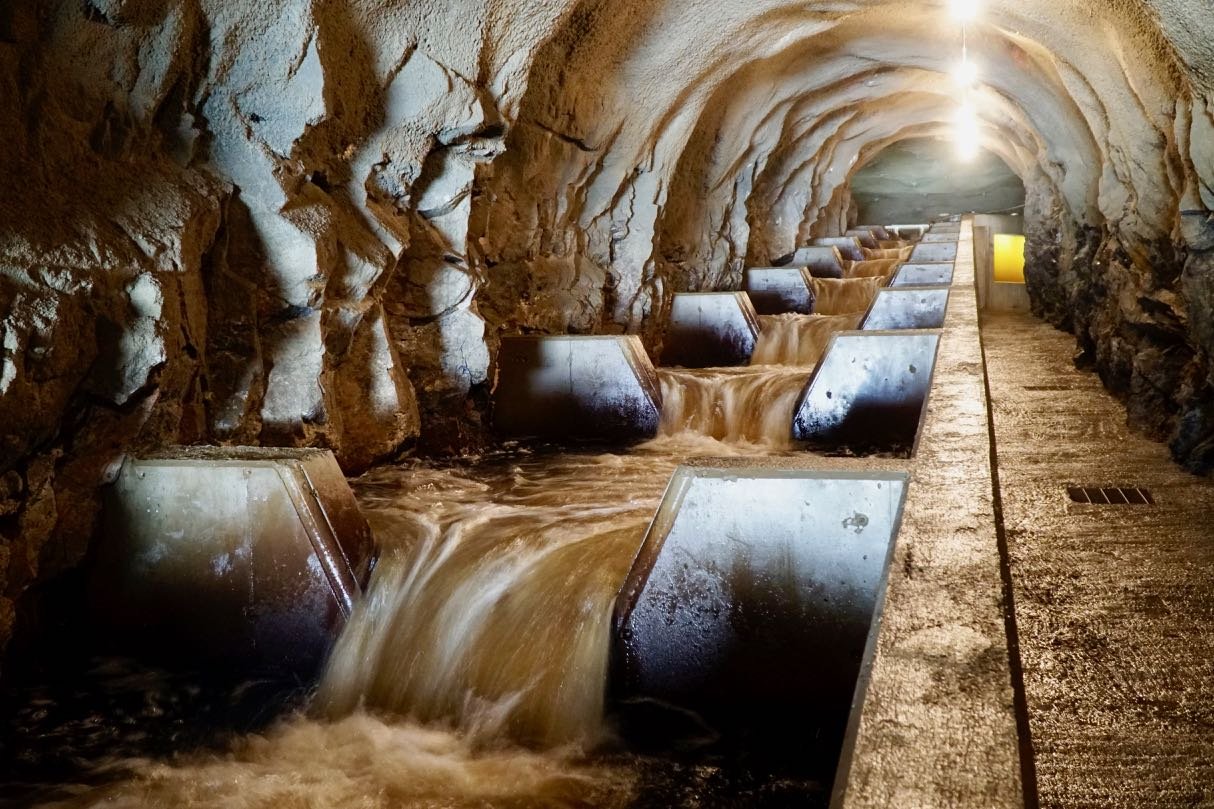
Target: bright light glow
x,y
965,73
966,133
964,10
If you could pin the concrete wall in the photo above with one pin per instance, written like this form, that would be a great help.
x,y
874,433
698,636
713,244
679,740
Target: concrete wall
x,y
993,295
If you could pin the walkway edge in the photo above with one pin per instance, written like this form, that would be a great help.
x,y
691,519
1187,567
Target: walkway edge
x,y
938,724
1028,758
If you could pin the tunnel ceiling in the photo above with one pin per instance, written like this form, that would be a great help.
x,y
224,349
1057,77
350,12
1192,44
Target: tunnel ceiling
x,y
917,179
310,222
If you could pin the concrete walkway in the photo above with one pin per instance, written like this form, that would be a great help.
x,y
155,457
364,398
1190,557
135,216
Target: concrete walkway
x,y
1114,605
937,727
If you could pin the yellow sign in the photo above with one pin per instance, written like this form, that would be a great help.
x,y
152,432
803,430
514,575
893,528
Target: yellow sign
x,y
1009,259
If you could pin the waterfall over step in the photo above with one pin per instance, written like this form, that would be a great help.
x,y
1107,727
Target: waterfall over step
x,y
737,405
798,340
752,404
481,614
490,609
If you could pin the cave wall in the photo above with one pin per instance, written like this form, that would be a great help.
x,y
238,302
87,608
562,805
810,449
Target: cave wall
x,y
309,223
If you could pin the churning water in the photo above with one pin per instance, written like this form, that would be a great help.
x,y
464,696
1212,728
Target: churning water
x,y
474,671
491,608
751,404
798,340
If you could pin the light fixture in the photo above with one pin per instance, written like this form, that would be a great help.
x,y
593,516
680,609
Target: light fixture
x,y
964,10
966,134
965,73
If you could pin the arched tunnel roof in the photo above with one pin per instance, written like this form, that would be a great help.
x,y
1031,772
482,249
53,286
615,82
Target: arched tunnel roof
x,y
457,162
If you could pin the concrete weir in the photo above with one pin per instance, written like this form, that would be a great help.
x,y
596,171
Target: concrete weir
x,y
935,251
935,237
242,556
710,329
780,290
849,246
911,232
879,232
752,599
576,387
822,262
869,391
866,237
907,308
925,274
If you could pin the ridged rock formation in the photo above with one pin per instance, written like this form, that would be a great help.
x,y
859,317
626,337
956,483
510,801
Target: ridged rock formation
x,y
309,222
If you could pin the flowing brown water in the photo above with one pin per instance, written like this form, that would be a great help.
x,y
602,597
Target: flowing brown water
x,y
362,762
739,405
797,340
754,404
490,608
474,671
871,268
844,296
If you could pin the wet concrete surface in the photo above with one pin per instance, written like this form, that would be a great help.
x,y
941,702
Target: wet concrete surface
x,y
937,727
1114,604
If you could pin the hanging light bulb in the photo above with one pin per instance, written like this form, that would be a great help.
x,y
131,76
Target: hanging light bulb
x,y
964,10
966,133
965,73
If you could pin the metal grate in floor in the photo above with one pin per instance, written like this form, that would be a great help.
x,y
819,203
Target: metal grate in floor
x,y
1111,495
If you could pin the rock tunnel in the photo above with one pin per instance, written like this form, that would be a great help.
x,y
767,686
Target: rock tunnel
x,y
408,403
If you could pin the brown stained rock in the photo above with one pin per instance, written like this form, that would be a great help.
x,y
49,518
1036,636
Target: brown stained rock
x,y
1148,342
376,402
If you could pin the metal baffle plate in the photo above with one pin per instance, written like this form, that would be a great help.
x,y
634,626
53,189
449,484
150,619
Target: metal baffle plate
x,y
751,601
907,308
923,275
242,556
710,329
780,290
869,392
940,251
590,388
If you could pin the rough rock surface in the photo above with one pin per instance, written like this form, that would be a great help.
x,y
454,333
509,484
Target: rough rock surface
x,y
309,223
